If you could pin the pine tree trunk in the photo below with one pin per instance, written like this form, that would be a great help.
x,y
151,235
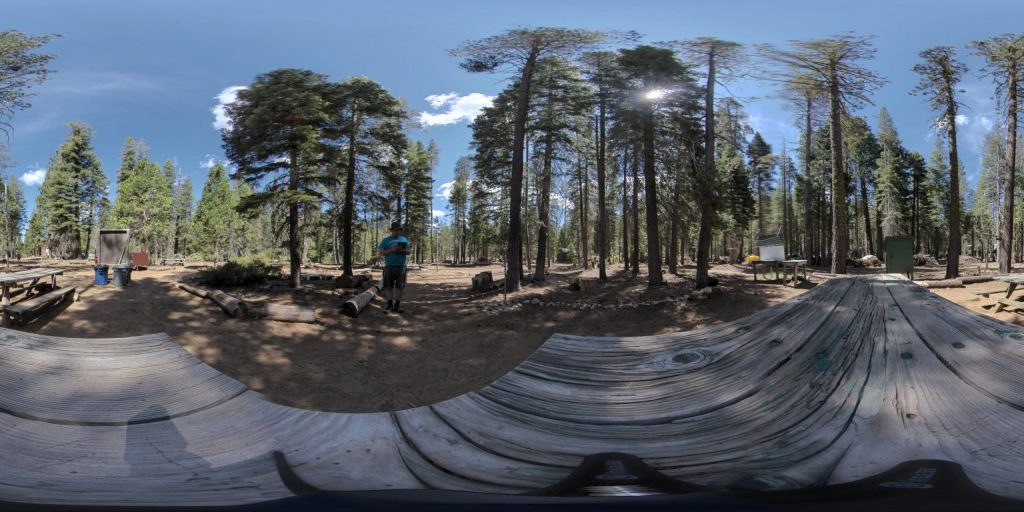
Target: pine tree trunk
x,y
625,210
651,199
585,217
543,209
293,224
808,239
953,255
704,180
867,214
602,210
348,209
1006,236
636,215
513,256
839,227
673,238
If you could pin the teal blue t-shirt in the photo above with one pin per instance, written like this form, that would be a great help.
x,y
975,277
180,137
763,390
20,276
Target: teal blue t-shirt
x,y
395,259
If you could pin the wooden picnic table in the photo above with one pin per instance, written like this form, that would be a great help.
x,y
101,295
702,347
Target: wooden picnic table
x,y
785,265
1012,282
10,280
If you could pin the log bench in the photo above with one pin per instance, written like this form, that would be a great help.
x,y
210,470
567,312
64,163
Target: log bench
x,y
20,311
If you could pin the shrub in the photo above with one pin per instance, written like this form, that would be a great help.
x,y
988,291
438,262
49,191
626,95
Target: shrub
x,y
239,271
752,258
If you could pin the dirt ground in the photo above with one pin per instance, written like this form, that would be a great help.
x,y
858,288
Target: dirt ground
x,y
446,343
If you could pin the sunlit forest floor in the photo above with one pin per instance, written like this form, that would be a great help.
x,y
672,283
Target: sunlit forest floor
x,y
446,343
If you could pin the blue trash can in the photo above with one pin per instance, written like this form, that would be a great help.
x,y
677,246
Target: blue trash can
x,y
102,279
120,275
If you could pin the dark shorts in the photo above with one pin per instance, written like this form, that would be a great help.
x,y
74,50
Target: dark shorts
x,y
394,277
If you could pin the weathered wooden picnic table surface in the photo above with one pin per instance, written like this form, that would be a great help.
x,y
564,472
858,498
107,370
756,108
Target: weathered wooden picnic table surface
x,y
842,382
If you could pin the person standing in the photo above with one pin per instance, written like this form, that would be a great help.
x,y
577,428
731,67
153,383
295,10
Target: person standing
x,y
394,249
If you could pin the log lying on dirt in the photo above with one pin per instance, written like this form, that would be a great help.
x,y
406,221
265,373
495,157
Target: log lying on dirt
x,y
945,283
353,306
351,281
232,306
955,283
284,313
195,291
975,279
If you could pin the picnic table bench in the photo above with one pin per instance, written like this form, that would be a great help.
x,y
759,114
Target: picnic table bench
x,y
18,313
1012,281
172,261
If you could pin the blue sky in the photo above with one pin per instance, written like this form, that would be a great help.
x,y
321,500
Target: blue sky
x,y
155,70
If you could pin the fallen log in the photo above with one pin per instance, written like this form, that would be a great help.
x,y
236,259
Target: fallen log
x,y
195,291
944,283
353,306
284,313
975,279
232,306
351,281
235,308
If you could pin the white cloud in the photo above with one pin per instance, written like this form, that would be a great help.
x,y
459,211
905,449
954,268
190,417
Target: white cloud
x,y
227,96
438,213
445,190
208,162
438,100
962,120
986,123
458,108
32,178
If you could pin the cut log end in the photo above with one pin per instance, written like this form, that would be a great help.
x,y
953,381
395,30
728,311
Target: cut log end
x,y
355,305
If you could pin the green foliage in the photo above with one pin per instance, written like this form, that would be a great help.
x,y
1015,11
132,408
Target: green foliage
x,y
20,68
891,190
145,202
419,185
69,199
182,215
215,216
240,271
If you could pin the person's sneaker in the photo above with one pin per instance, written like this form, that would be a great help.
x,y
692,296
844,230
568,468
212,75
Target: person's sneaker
x,y
398,310
386,310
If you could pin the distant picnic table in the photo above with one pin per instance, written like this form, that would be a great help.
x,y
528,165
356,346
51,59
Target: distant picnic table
x,y
785,265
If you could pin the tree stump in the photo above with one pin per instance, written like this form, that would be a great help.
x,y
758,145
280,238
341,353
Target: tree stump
x,y
482,282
